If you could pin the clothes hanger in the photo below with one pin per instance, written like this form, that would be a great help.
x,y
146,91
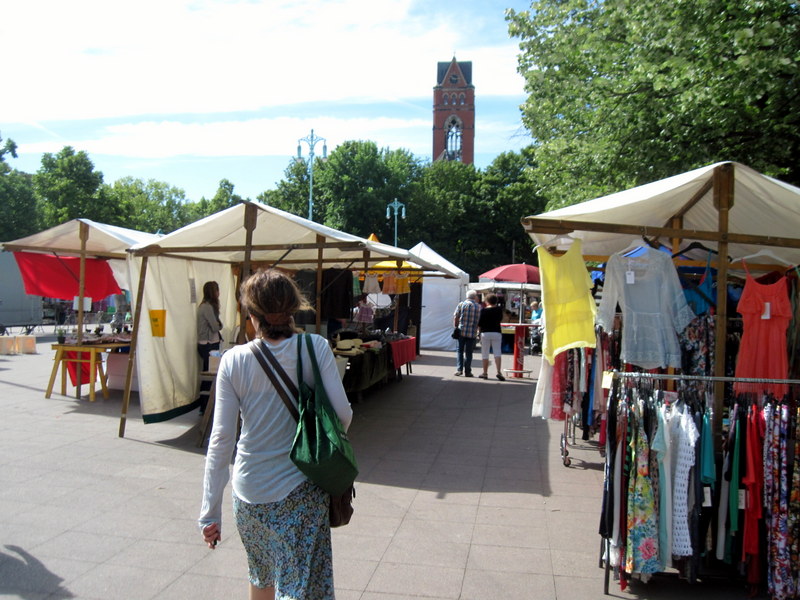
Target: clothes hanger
x,y
694,246
766,253
562,236
636,243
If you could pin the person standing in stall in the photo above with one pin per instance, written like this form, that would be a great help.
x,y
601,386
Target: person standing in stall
x,y
208,336
466,318
491,336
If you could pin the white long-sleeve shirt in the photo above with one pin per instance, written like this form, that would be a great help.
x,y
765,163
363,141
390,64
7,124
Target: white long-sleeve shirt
x,y
262,471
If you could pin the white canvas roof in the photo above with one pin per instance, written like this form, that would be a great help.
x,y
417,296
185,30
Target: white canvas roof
x,y
222,237
763,206
65,239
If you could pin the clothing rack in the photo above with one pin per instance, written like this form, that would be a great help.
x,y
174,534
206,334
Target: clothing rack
x,y
605,543
710,378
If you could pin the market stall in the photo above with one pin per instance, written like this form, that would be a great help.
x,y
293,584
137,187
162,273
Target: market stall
x,y
224,247
78,260
738,229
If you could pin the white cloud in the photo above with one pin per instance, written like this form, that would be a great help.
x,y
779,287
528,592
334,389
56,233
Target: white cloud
x,y
98,59
261,137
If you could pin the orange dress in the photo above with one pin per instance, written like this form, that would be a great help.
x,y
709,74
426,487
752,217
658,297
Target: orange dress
x,y
766,311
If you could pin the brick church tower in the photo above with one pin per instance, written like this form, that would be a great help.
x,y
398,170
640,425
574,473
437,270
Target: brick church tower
x,y
454,112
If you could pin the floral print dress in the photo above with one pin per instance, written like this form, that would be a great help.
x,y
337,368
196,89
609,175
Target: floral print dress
x,y
641,554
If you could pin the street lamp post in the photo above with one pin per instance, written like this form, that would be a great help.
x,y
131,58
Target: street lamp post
x,y
396,206
312,141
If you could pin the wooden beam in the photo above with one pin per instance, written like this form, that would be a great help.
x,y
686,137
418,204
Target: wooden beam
x,y
156,249
62,251
692,201
541,225
250,220
137,319
318,300
83,232
723,202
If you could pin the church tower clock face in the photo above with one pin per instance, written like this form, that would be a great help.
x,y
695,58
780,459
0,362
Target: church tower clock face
x,y
454,112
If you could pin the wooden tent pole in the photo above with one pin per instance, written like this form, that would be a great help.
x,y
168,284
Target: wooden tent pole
x,y
126,400
396,324
250,220
318,300
84,235
723,202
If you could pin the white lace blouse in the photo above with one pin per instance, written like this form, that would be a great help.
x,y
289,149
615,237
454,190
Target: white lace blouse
x,y
654,308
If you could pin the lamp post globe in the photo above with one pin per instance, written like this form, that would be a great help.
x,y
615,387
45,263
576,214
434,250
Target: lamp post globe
x,y
397,207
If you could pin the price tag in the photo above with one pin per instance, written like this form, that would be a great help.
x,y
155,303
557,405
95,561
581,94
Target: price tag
x,y
766,313
608,377
742,499
706,496
630,277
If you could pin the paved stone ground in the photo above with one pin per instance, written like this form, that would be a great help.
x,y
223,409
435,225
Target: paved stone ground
x,y
462,495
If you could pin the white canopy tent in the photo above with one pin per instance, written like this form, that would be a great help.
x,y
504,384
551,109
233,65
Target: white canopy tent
x,y
172,271
439,298
766,212
726,206
86,239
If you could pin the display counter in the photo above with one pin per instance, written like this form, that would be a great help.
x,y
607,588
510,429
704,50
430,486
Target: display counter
x,y
371,367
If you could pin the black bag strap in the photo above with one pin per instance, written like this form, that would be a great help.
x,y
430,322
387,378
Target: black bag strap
x,y
260,350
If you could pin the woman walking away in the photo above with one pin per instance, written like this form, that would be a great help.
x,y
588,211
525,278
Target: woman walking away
x,y
282,517
491,336
208,337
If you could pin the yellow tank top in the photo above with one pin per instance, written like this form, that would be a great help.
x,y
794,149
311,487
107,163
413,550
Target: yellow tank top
x,y
569,309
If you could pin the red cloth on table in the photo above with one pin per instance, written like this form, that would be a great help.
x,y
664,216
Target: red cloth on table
x,y
72,367
59,276
403,351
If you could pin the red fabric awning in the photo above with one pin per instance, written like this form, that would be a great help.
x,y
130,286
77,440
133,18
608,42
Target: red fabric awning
x,y
58,276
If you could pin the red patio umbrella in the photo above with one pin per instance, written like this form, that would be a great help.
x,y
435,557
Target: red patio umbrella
x,y
516,273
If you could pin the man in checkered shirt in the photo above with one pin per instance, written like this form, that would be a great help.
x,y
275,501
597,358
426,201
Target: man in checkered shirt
x,y
466,318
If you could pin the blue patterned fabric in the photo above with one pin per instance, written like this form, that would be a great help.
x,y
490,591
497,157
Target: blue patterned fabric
x,y
288,543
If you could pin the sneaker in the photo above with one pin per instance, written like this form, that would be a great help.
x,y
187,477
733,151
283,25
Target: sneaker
x,y
483,376
500,377
458,373
468,374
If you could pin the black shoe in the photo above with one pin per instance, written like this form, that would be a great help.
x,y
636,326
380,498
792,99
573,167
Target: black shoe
x,y
468,374
500,377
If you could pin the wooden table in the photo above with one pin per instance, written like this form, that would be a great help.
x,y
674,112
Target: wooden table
x,y
95,361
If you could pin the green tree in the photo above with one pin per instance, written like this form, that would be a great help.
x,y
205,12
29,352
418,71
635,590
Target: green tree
x,y
509,194
150,206
17,199
622,92
291,194
354,189
448,214
67,187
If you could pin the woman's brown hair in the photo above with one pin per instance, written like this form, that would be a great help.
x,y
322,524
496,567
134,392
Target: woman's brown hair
x,y
211,295
273,297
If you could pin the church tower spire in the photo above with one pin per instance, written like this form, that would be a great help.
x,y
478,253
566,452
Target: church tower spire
x,y
454,112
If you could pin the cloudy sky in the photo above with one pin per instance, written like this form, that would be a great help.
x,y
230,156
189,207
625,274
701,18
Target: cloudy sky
x,y
193,91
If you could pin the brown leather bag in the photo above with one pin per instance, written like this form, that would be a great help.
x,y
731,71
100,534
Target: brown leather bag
x,y
342,508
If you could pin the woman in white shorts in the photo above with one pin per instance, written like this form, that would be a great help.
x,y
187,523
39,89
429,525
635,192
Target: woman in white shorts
x,y
491,335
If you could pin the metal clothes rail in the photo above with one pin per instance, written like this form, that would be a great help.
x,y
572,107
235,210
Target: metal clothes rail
x,y
605,543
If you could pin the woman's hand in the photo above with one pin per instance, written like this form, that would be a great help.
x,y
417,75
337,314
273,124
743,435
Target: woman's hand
x,y
211,535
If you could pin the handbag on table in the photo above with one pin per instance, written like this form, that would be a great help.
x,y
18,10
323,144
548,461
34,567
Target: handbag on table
x,y
321,448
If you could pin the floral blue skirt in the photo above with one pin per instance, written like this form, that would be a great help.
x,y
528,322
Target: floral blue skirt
x,y
288,543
